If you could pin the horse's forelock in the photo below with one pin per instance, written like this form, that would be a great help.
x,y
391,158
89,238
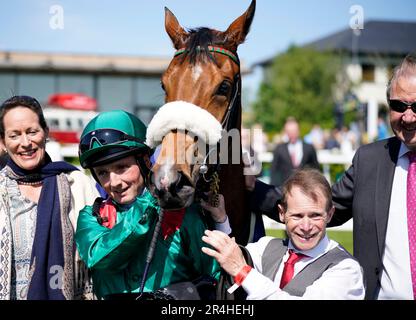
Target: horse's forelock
x,y
202,38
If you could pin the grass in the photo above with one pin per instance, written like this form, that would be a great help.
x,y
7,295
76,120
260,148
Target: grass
x,y
344,238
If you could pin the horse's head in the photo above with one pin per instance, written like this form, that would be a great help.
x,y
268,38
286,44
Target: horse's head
x,y
202,86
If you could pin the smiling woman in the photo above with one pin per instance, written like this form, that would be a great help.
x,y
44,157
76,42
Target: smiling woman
x,y
25,137
39,205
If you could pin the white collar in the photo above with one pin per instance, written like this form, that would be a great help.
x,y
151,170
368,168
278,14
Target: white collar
x,y
318,250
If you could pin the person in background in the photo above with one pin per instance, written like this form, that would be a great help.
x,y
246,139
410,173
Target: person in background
x,y
307,265
378,192
291,155
382,130
332,140
39,205
315,137
114,235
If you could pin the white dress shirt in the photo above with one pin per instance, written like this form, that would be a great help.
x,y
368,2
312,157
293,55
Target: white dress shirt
x,y
296,149
342,281
223,226
396,279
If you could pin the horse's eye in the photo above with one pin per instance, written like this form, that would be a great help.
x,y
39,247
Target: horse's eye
x,y
224,88
162,86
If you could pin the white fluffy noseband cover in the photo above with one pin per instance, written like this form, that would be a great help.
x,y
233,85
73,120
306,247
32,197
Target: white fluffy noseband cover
x,y
183,115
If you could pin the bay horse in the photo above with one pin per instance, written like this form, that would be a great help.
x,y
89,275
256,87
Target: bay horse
x,y
202,85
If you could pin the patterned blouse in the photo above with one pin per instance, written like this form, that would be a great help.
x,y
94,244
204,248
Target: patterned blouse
x,y
23,221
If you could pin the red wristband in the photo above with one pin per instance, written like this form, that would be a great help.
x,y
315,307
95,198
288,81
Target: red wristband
x,y
239,278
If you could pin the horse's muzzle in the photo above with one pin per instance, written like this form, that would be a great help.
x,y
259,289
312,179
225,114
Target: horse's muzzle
x,y
175,194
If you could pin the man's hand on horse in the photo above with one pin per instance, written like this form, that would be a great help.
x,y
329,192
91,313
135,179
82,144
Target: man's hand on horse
x,y
218,213
226,251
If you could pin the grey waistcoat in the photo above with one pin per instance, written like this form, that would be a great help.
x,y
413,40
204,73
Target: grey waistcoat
x,y
272,258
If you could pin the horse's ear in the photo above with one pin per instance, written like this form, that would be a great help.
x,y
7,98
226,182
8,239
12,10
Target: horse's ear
x,y
176,33
238,30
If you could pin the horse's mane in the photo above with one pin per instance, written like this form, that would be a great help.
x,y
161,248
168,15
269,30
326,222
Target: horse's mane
x,y
198,42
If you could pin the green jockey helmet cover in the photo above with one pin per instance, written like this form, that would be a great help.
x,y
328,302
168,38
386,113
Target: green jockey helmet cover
x,y
110,136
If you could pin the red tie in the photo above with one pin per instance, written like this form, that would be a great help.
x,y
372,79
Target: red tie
x,y
289,268
411,216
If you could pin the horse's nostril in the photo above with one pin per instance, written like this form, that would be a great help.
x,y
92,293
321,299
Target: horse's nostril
x,y
181,182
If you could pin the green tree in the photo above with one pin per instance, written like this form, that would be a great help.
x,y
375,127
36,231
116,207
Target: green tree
x,y
299,83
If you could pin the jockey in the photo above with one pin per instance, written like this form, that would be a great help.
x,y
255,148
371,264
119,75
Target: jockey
x,y
114,235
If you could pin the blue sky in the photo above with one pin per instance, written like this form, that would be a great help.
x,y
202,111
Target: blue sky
x,y
136,27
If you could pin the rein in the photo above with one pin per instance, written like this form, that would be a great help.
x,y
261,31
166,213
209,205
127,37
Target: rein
x,y
225,121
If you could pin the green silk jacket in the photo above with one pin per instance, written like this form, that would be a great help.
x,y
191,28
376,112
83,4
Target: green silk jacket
x,y
117,256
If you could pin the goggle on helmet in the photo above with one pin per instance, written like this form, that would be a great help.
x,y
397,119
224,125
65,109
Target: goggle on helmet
x,y
110,136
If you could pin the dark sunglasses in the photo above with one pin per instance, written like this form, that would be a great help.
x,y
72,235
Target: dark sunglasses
x,y
105,137
401,106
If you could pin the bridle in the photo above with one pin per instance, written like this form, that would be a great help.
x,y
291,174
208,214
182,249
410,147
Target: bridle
x,y
231,105
216,49
209,173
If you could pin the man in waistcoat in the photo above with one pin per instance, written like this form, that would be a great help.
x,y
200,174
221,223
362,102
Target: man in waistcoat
x,y
307,265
